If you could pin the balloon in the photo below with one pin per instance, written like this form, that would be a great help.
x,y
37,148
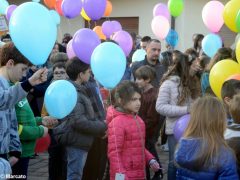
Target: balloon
x,y
139,55
70,9
108,64
180,126
33,31
238,21
98,31
160,27
220,72
124,40
161,9
108,9
116,26
36,1
238,51
235,76
230,14
70,51
175,7
55,16
107,28
172,38
42,144
84,15
3,6
94,8
10,10
60,98
210,44
212,15
84,42
58,7
50,3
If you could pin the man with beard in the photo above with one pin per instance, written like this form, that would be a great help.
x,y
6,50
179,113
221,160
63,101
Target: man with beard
x,y
152,59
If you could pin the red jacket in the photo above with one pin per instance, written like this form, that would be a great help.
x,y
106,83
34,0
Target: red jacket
x,y
126,145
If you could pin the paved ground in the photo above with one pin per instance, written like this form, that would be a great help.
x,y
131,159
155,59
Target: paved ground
x,y
38,167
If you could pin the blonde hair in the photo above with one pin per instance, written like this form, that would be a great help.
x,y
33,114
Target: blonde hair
x,y
234,108
207,122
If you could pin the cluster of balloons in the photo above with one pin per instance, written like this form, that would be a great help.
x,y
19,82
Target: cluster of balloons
x,y
161,18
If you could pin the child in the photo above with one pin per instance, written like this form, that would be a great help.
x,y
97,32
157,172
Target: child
x,y
144,76
232,134
203,153
13,66
126,135
78,129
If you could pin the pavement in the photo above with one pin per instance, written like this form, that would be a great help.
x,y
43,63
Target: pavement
x,y
38,167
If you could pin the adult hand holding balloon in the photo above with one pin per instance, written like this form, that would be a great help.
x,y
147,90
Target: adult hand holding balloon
x,y
108,64
180,126
60,99
33,31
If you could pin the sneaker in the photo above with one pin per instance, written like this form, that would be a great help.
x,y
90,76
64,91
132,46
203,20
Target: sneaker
x,y
165,147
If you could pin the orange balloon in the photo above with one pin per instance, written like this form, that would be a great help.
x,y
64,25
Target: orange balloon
x,y
58,7
50,3
108,9
98,31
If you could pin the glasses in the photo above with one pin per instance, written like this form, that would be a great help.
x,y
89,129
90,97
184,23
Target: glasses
x,y
60,72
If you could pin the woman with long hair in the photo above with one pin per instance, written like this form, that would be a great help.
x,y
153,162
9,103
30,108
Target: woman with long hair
x,y
174,99
203,153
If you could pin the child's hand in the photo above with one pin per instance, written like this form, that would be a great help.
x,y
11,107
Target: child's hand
x,y
49,122
38,77
154,165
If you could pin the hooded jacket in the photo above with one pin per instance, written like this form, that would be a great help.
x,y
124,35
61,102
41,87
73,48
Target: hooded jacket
x,y
126,145
186,155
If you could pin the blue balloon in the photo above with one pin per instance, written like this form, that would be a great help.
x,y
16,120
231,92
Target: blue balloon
x,y
33,31
3,6
172,38
210,44
108,63
139,55
60,98
55,16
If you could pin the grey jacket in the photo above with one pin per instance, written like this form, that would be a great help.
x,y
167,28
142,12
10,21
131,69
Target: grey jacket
x,y
79,128
9,96
167,100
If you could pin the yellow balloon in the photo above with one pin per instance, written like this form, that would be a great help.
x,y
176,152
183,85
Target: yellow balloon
x,y
238,51
84,15
220,72
230,14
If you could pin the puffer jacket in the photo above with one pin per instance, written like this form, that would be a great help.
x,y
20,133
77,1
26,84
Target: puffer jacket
x,y
79,128
126,145
166,104
185,158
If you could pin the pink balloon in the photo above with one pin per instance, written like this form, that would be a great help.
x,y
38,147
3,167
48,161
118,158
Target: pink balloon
x,y
124,40
160,27
161,9
212,15
107,28
116,26
70,51
10,10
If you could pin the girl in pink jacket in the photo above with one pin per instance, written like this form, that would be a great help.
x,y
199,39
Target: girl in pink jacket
x,y
126,136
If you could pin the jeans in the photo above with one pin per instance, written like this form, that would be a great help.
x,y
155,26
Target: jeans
x,y
172,142
76,159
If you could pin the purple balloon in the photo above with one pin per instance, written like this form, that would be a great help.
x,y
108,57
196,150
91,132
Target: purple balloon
x,y
161,9
10,10
124,40
84,42
107,28
71,9
70,51
116,26
180,126
94,8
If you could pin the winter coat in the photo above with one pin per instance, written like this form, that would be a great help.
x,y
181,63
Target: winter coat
x,y
9,138
167,101
185,158
126,145
79,128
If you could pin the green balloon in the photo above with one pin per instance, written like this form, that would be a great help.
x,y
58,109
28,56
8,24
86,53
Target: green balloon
x,y
175,7
238,21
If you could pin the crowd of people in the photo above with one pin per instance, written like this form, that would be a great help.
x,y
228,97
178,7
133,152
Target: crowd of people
x,y
112,134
